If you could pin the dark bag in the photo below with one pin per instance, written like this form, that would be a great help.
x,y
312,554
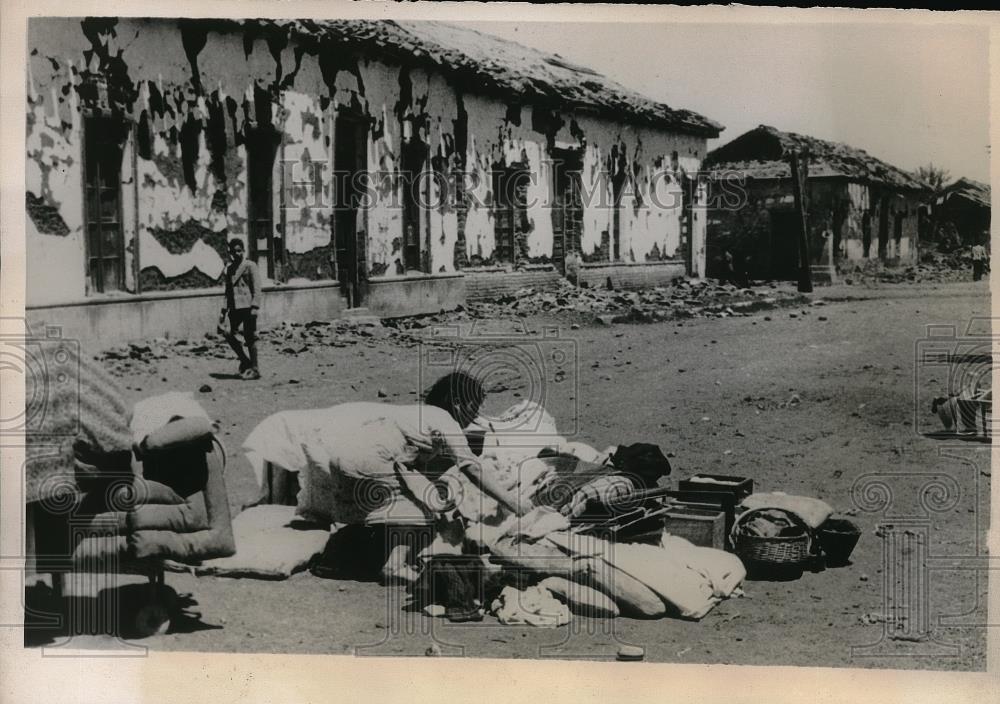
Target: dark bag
x,y
642,461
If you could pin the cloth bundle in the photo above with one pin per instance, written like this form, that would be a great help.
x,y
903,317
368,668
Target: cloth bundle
x,y
811,510
534,606
673,577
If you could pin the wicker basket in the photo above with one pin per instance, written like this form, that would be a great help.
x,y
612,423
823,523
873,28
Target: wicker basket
x,y
775,550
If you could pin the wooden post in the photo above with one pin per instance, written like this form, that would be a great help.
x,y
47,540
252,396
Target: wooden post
x,y
800,172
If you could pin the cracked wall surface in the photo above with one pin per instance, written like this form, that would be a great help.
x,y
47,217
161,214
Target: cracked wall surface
x,y
192,92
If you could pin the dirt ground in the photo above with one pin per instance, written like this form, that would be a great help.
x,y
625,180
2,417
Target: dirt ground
x,y
808,400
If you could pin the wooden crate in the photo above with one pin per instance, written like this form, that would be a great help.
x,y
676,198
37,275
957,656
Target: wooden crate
x,y
701,526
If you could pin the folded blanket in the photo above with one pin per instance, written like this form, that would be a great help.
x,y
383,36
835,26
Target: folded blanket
x,y
216,540
813,511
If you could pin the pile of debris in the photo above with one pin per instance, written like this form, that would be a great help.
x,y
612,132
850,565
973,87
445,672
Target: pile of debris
x,y
684,299
287,338
933,267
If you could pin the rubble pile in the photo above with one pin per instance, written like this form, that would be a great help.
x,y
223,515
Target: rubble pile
x,y
934,267
287,338
684,299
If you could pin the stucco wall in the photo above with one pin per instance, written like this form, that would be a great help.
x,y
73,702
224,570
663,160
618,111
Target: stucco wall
x,y
191,93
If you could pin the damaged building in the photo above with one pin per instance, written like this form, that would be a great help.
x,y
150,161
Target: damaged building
x,y
859,208
965,204
399,167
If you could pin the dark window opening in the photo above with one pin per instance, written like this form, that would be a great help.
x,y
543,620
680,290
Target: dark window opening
x,y
350,163
866,233
897,233
839,218
689,190
883,229
617,188
619,177
414,154
104,139
264,248
567,211
510,214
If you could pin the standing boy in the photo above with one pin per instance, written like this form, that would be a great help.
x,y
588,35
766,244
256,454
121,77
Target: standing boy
x,y
243,292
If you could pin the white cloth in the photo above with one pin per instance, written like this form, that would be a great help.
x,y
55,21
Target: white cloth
x,y
533,606
154,412
813,511
689,578
519,433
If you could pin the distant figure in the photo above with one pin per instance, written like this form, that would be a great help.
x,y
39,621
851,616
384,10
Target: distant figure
x,y
980,261
243,293
728,268
743,272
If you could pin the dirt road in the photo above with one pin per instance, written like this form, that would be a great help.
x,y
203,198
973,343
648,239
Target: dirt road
x,y
815,400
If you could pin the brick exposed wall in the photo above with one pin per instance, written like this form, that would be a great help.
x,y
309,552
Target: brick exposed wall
x,y
483,286
632,276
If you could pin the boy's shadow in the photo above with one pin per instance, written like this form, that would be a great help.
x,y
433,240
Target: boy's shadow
x,y
224,375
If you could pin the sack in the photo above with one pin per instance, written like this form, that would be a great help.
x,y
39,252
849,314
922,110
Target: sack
x,y
642,460
580,599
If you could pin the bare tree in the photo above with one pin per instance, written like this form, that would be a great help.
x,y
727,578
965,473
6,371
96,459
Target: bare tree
x,y
933,176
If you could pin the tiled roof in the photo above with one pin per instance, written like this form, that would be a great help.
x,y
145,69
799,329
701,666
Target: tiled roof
x,y
762,153
972,191
491,65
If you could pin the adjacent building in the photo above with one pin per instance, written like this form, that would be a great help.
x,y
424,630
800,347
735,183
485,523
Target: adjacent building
x,y
398,166
859,208
966,205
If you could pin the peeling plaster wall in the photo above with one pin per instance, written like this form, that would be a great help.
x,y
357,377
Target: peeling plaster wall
x,y
53,178
191,92
652,199
305,183
651,206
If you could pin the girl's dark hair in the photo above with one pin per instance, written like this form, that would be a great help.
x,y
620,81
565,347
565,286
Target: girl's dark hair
x,y
457,393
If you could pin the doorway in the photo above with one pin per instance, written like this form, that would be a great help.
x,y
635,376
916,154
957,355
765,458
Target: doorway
x,y
412,158
263,248
883,229
567,204
785,226
350,161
